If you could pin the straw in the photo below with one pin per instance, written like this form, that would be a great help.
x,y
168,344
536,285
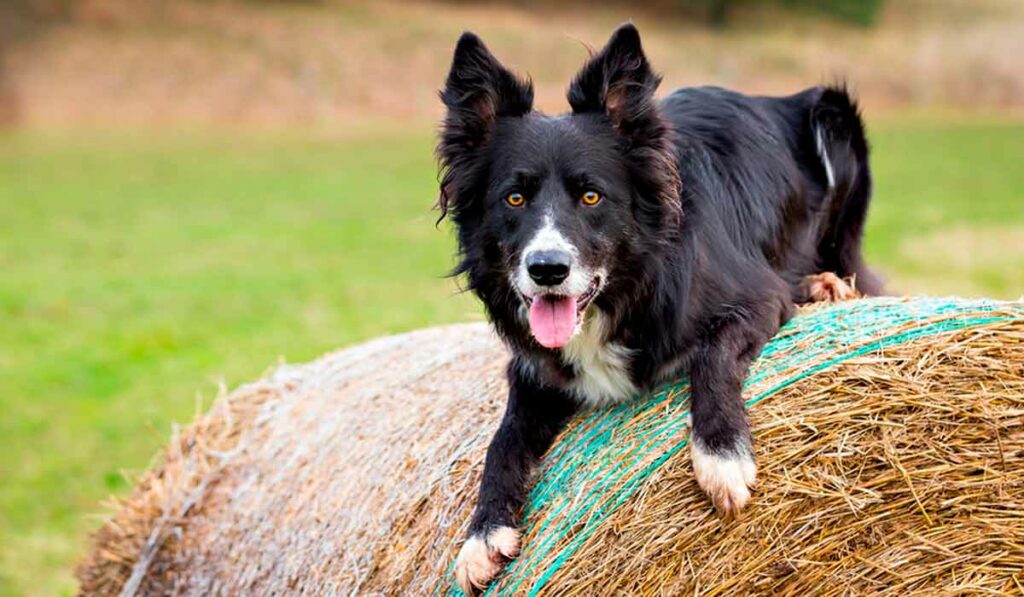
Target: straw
x,y
889,435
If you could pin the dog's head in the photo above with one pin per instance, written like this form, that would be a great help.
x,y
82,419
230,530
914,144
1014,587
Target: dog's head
x,y
555,214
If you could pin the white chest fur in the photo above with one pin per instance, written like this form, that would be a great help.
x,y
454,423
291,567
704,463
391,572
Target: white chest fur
x,y
602,368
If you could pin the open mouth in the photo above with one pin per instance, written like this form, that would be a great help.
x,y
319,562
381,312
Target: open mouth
x,y
554,317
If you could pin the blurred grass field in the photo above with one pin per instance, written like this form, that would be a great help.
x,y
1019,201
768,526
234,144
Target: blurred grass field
x,y
139,272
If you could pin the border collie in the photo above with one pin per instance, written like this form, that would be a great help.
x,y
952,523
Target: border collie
x,y
632,241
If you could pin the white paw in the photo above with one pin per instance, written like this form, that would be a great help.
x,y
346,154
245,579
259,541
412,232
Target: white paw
x,y
725,478
482,558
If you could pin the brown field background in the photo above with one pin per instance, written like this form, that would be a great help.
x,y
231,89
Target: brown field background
x,y
340,64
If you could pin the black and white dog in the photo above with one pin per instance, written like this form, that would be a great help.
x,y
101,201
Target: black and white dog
x,y
633,240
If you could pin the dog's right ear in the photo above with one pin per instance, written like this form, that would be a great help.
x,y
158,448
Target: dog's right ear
x,y
478,91
618,83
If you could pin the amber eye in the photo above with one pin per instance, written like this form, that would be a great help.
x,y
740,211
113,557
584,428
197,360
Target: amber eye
x,y
590,198
515,200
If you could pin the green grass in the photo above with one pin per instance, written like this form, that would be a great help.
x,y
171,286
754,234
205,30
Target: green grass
x,y
948,211
137,273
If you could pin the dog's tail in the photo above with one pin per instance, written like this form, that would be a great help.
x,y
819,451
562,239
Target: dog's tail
x,y
843,150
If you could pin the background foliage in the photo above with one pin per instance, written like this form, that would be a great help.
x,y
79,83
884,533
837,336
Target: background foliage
x,y
859,12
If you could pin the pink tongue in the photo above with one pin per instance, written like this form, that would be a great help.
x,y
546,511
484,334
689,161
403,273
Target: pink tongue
x,y
552,319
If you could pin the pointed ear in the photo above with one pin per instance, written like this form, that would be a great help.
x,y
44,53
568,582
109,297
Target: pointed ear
x,y
479,88
477,92
617,81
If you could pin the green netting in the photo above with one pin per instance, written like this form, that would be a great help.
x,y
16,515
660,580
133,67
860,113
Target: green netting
x,y
603,458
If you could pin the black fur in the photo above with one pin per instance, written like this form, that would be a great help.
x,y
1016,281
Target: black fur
x,y
715,207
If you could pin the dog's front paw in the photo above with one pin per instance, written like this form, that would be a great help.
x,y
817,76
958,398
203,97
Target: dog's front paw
x,y
726,478
483,556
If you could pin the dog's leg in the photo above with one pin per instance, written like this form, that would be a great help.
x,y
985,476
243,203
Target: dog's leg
x,y
534,416
721,448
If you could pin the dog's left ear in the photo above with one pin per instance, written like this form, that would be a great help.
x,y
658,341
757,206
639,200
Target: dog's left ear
x,y
619,82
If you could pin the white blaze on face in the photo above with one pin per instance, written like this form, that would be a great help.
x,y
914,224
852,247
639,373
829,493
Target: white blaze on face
x,y
550,238
553,315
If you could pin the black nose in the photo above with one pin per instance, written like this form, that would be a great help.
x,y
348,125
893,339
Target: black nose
x,y
548,268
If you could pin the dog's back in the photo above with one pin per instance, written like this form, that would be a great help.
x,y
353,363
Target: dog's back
x,y
782,178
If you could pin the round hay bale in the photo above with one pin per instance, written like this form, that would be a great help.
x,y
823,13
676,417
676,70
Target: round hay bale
x,y
889,434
